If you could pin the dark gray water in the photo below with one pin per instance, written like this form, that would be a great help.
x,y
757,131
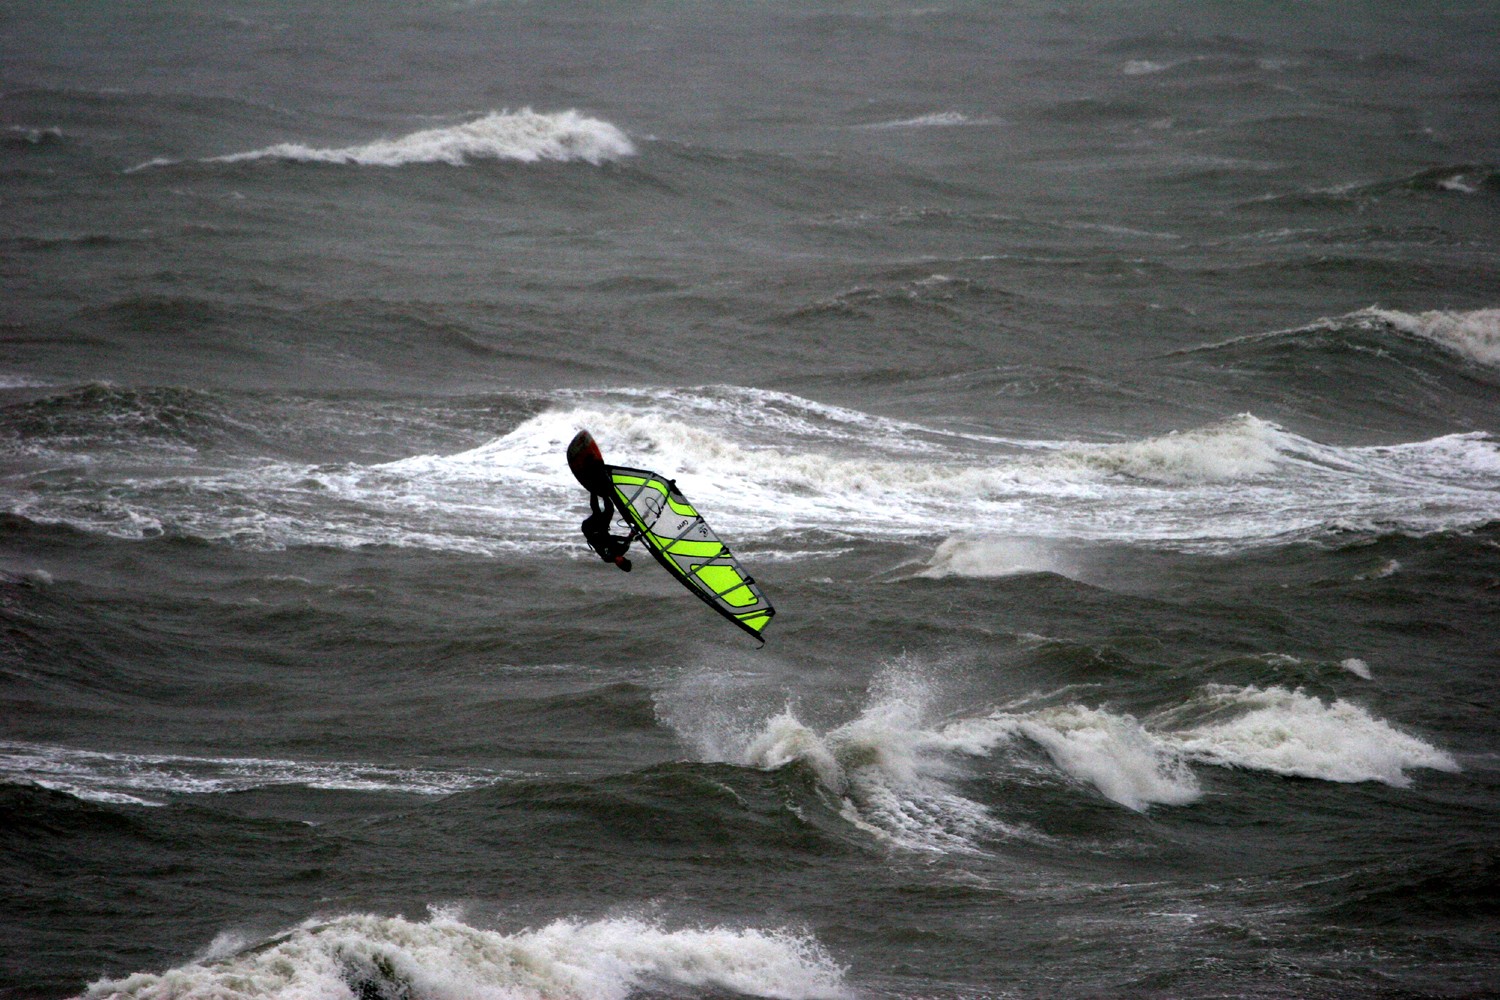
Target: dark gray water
x,y
1107,396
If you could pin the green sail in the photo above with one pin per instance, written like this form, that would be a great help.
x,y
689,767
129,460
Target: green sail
x,y
687,547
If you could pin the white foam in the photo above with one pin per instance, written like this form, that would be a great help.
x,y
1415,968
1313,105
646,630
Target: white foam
x,y
1296,734
936,119
11,380
1357,667
524,136
1460,183
444,958
35,136
1475,334
1390,568
128,778
1144,67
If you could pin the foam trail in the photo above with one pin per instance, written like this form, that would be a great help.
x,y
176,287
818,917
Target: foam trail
x,y
524,136
133,779
1295,734
936,119
443,958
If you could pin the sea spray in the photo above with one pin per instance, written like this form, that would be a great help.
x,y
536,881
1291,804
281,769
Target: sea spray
x,y
980,558
887,771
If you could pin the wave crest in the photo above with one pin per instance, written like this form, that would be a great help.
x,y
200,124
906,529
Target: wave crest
x,y
1138,764
524,136
1234,449
361,955
1475,334
1295,734
887,772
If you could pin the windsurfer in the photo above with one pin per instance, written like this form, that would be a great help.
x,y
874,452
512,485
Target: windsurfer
x,y
589,468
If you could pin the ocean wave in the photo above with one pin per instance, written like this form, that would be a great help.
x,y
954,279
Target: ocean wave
x,y
894,769
1113,753
524,136
1474,334
888,770
1296,734
22,135
1141,763
1236,449
1455,180
759,464
146,779
982,558
364,955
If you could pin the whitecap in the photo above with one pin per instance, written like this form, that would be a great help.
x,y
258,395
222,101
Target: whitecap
x,y
984,558
1296,734
1474,334
569,959
524,136
1240,448
1111,752
1144,67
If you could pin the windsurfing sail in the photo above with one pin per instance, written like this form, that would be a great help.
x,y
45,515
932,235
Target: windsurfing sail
x,y
676,534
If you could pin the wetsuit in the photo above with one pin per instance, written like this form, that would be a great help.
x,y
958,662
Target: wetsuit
x,y
611,548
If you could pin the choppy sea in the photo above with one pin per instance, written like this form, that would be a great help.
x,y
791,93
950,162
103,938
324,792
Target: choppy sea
x,y
1106,395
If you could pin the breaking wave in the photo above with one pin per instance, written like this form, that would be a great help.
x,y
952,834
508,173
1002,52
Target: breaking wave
x,y
1475,335
1234,449
1113,753
1143,763
1295,734
443,958
895,770
764,463
524,136
972,557
888,771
